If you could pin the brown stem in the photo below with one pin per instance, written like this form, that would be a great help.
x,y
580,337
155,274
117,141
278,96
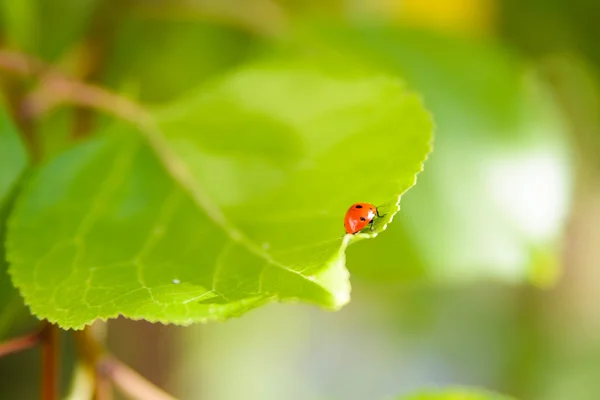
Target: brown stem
x,y
17,63
104,389
129,382
55,89
102,385
19,344
50,339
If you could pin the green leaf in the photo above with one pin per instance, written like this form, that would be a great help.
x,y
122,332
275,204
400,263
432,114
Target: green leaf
x,y
236,197
13,157
13,162
11,303
456,394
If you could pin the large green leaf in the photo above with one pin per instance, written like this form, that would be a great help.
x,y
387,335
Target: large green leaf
x,y
13,162
236,197
456,394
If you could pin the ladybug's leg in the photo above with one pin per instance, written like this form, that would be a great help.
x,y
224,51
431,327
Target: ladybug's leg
x,y
371,223
377,212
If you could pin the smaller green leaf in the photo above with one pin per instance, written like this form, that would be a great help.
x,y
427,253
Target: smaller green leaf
x,y
13,162
13,157
456,394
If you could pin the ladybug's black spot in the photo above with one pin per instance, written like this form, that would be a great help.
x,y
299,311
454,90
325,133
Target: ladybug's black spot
x,y
358,206
363,219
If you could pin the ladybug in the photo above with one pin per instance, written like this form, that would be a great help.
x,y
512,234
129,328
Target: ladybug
x,y
360,215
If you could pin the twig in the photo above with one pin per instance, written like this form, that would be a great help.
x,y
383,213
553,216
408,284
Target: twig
x,y
130,383
98,332
19,344
104,390
56,88
50,339
17,63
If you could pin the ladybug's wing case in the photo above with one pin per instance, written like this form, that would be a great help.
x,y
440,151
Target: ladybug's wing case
x,y
358,216
350,225
350,220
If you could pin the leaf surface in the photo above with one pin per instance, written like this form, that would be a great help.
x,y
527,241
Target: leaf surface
x,y
13,157
13,162
230,198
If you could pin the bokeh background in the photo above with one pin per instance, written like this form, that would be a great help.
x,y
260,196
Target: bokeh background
x,y
489,276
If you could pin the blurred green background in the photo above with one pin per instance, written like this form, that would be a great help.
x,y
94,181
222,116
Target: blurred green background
x,y
489,276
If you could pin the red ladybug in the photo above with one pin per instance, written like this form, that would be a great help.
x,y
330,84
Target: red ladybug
x,y
360,215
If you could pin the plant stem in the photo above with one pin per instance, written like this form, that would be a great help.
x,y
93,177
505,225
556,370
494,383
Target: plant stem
x,y
19,344
98,333
104,389
50,339
56,88
130,383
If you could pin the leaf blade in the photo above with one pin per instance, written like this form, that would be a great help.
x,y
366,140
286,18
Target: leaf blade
x,y
152,221
13,164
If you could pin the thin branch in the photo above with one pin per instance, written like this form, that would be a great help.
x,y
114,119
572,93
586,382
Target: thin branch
x,y
50,339
104,390
56,88
19,344
103,387
17,63
129,382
